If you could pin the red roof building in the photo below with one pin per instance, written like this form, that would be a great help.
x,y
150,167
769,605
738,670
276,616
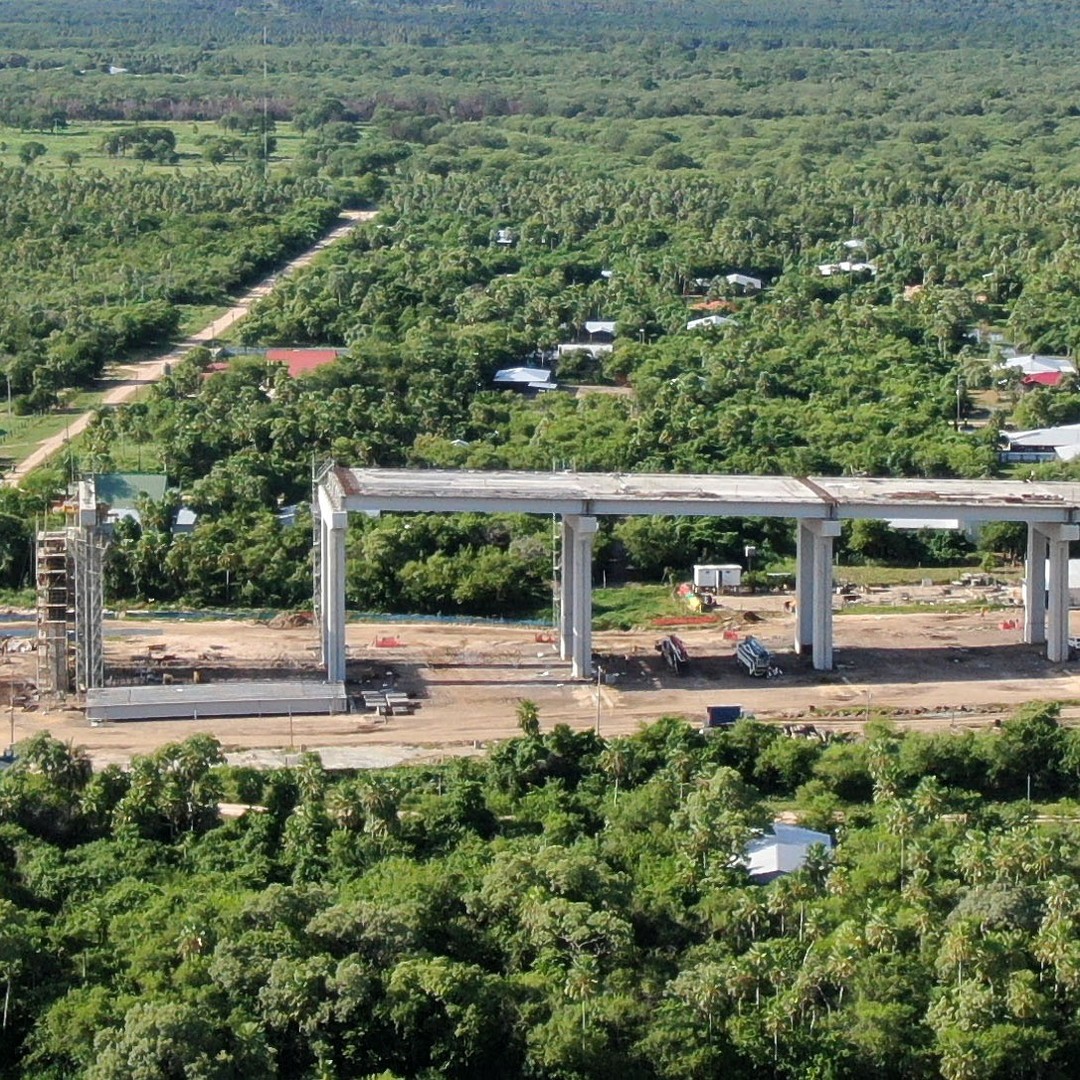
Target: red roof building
x,y
715,305
1043,378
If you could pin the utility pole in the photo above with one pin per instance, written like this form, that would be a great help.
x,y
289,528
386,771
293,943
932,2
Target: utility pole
x,y
599,679
266,112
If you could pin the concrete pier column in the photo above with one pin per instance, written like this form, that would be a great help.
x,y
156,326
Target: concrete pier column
x,y
804,588
1057,609
566,589
1035,587
583,530
823,618
813,590
1046,587
332,528
1057,588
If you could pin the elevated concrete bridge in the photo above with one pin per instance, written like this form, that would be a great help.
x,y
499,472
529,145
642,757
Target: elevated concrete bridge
x,y
818,505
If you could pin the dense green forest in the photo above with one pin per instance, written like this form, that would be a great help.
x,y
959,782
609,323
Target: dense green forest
x,y
98,267
567,907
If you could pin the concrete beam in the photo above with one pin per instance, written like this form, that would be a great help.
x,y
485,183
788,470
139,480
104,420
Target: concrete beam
x,y
1062,533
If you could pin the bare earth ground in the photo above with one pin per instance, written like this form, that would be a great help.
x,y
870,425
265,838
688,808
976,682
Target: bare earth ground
x,y
927,669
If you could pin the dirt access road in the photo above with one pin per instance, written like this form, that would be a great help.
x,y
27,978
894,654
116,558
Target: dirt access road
x,y
929,670
131,378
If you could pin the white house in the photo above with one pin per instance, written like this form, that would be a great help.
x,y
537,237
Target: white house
x,y
600,326
744,281
525,378
710,321
846,267
594,348
1042,444
1033,364
784,852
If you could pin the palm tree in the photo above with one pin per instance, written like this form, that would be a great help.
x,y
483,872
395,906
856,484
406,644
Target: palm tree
x,y
900,819
380,803
528,717
344,804
703,987
618,761
582,981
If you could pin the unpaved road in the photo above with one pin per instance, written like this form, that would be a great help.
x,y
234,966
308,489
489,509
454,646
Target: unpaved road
x,y
932,669
131,378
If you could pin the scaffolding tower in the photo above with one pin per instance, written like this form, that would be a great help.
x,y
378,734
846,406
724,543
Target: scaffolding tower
x,y
55,610
68,571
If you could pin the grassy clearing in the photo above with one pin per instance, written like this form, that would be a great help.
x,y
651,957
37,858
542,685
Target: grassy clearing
x,y
914,575
21,435
194,317
633,605
85,138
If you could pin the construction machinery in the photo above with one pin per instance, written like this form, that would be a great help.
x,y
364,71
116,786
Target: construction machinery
x,y
673,650
755,659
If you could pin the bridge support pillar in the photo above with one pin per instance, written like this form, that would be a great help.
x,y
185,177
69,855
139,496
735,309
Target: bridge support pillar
x,y
1046,587
813,590
1035,587
575,623
332,528
566,590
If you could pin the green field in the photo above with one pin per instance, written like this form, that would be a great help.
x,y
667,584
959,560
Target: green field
x,y
85,139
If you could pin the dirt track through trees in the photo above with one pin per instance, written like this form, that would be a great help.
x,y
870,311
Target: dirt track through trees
x,y
131,378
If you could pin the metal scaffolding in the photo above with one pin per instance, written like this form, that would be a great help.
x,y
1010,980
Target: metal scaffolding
x,y
68,572
55,611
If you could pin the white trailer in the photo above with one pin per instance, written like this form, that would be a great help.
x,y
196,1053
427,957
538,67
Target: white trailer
x,y
715,577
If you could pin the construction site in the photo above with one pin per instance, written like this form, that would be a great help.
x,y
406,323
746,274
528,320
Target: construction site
x,y
422,688
125,684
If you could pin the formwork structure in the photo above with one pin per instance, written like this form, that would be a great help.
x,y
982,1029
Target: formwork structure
x,y
68,572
